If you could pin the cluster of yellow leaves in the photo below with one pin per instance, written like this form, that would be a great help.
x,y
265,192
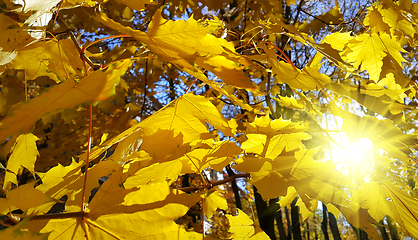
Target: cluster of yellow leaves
x,y
137,199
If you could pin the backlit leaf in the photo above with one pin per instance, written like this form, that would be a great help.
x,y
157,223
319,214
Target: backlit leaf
x,y
307,79
98,86
214,201
15,232
368,50
384,198
58,60
23,198
242,227
184,42
24,154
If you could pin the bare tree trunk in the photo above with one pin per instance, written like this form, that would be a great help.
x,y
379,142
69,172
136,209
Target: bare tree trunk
x,y
289,225
383,230
235,188
280,226
324,224
307,231
265,217
363,235
392,228
294,211
334,226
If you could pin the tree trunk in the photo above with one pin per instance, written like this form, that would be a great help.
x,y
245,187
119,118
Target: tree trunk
x,y
294,211
334,226
289,225
235,188
392,228
363,235
383,230
324,224
280,226
265,217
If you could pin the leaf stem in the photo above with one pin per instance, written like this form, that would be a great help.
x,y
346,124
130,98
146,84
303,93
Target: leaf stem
x,y
83,194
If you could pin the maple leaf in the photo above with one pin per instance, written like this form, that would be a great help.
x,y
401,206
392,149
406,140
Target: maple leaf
x,y
23,197
308,79
24,154
359,217
228,92
389,16
368,50
209,154
15,232
375,97
187,115
183,42
58,60
35,7
155,173
384,198
242,227
14,39
97,86
214,201
60,181
269,138
264,171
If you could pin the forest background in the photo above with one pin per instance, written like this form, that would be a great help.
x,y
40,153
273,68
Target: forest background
x,y
239,119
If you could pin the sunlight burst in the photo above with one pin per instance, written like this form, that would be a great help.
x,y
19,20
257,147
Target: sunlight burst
x,y
353,158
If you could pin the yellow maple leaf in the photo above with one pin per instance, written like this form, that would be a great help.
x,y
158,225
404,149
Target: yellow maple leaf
x,y
60,181
242,227
58,60
134,210
269,138
15,232
360,218
187,115
384,198
184,42
98,86
24,154
24,197
308,79
375,97
368,50
215,155
214,201
156,173
12,40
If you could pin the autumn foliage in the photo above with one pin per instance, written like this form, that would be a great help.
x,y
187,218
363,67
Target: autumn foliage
x,y
121,119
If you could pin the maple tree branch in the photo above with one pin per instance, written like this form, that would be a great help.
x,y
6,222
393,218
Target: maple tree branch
x,y
81,52
298,12
213,184
145,88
